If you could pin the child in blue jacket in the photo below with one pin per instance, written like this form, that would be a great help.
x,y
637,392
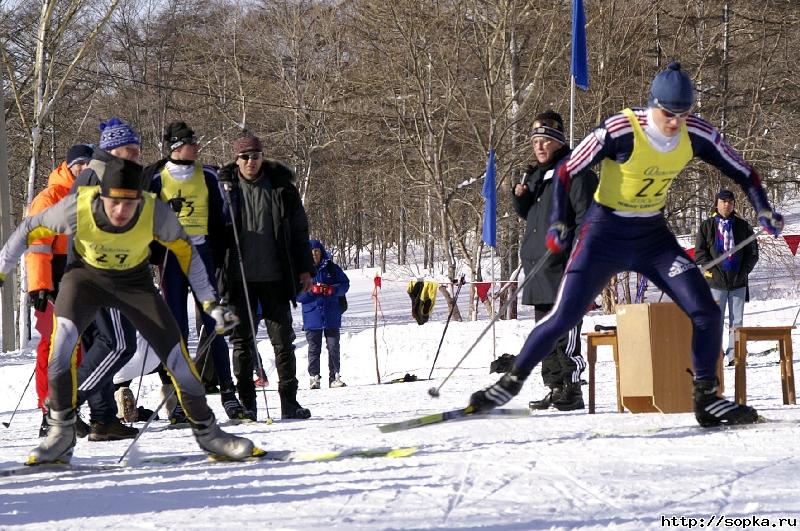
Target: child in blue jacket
x,y
323,305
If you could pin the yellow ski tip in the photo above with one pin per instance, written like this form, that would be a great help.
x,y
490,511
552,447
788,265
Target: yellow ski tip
x,y
402,452
258,452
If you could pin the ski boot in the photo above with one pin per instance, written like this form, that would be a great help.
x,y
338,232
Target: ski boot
x,y
81,428
126,405
547,401
220,444
293,410
57,446
111,430
570,398
233,408
178,416
44,426
712,410
497,394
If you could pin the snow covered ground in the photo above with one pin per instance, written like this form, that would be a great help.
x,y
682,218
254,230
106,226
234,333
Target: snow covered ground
x,y
550,471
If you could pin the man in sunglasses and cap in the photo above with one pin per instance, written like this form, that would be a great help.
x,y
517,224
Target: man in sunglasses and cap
x,y
641,152
112,226
273,250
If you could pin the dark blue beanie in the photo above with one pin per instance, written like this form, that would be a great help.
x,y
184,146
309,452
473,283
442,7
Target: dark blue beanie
x,y
672,89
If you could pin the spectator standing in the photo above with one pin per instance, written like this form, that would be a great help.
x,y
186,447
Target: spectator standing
x,y
533,202
322,315
272,227
719,233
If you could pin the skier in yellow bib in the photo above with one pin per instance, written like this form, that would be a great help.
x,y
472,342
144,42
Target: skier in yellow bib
x,y
641,152
112,226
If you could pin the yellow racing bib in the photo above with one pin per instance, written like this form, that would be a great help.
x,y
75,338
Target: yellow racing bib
x,y
194,209
109,250
641,183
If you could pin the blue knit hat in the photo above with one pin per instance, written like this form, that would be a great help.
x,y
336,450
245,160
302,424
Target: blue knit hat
x,y
115,133
672,90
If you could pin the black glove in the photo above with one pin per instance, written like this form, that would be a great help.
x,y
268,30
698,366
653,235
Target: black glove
x,y
176,203
227,174
39,299
497,394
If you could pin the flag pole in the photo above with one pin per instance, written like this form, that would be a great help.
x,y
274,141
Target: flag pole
x,y
494,321
571,111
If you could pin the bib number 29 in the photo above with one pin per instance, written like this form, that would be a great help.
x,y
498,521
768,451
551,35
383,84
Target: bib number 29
x,y
120,258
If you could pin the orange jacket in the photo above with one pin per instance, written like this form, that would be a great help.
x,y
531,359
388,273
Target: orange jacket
x,y
38,260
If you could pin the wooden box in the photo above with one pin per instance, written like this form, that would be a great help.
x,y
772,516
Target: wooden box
x,y
654,342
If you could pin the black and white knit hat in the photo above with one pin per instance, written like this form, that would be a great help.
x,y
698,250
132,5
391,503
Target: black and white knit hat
x,y
549,125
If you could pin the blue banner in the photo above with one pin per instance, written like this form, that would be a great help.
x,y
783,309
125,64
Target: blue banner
x,y
489,193
580,61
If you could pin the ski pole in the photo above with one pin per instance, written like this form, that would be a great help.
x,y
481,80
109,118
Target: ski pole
x,y
447,323
434,391
226,186
8,424
739,246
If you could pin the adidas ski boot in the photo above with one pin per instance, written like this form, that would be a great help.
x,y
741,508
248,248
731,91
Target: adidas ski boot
x,y
57,446
336,381
233,408
497,394
126,405
570,398
111,430
315,382
547,401
218,443
712,410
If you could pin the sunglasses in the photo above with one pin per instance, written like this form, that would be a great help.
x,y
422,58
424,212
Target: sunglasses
x,y
552,124
669,114
248,156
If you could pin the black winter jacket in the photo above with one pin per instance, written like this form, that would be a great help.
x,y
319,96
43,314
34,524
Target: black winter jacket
x,y
289,222
535,207
705,251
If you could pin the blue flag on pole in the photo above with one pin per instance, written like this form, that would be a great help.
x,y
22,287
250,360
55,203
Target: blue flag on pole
x,y
489,193
580,62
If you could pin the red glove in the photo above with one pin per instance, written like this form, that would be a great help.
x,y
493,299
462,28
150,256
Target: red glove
x,y
557,238
328,291
317,289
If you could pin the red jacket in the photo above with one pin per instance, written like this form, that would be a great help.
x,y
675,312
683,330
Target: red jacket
x,y
39,258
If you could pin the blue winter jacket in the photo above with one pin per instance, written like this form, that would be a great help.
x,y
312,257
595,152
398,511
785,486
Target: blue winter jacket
x,y
320,311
